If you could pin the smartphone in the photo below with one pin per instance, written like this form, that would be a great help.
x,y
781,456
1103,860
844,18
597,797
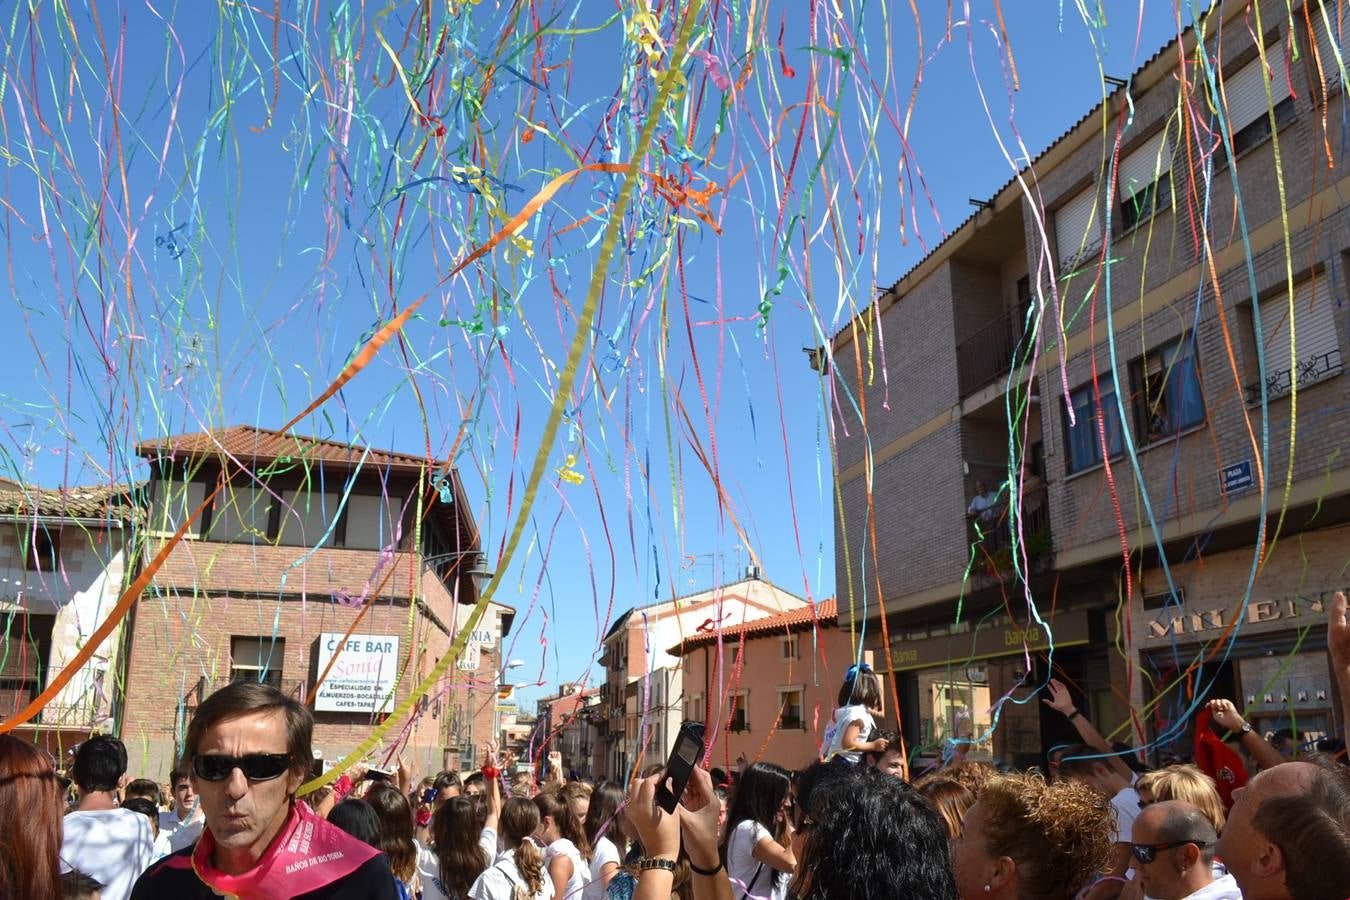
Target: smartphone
x,y
429,796
683,757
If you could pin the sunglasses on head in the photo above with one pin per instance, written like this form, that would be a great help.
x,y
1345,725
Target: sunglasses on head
x,y
1146,853
255,766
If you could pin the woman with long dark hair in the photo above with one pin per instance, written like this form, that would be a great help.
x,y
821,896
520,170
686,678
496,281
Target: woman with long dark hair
x,y
396,833
30,807
757,838
605,830
567,852
520,864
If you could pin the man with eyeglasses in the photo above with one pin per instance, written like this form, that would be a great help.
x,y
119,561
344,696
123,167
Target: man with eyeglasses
x,y
248,751
1172,852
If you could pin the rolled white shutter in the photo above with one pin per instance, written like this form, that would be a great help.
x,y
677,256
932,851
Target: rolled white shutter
x,y
1325,12
1078,227
1314,335
1145,165
1246,90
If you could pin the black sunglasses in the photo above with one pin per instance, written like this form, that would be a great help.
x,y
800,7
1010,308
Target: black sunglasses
x,y
255,766
1146,853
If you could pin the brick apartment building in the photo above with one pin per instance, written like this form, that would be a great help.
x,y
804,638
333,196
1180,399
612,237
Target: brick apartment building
x,y
772,699
567,721
280,567
65,555
1184,310
642,701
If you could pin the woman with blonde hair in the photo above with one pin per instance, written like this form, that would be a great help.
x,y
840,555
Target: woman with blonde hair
x,y
1025,839
1183,782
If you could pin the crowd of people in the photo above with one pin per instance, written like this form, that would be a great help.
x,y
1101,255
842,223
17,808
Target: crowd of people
x,y
856,823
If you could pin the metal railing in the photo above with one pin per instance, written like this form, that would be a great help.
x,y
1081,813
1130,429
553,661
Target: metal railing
x,y
1308,370
993,532
987,355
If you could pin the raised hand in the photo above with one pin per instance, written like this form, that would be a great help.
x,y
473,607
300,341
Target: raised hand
x,y
1226,715
1061,700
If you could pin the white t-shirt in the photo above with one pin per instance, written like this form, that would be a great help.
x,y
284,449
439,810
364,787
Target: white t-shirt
x,y
112,846
179,834
581,871
429,865
843,717
604,853
1126,806
498,881
745,871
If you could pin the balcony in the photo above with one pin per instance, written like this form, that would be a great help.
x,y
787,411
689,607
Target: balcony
x,y
987,355
991,539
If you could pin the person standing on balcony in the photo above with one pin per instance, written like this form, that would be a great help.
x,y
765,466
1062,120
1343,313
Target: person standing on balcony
x,y
984,505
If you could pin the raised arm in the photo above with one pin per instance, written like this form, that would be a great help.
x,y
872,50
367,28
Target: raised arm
x,y
1226,714
699,814
1061,701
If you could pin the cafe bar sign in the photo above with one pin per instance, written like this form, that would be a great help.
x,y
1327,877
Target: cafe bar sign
x,y
1069,629
1260,615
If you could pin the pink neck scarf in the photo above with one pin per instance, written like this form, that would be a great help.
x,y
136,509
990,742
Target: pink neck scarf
x,y
306,854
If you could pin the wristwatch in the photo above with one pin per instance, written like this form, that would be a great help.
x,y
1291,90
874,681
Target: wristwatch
x,y
1246,728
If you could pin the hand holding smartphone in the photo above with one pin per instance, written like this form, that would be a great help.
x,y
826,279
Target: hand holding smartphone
x,y
684,756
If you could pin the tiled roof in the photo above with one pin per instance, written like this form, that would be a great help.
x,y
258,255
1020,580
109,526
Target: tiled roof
x,y
826,613
117,502
249,443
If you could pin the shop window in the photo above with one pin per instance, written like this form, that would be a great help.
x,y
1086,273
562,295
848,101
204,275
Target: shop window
x,y
788,647
1145,181
1084,437
1317,351
257,659
956,705
1246,107
790,708
43,549
1169,400
1078,228
740,716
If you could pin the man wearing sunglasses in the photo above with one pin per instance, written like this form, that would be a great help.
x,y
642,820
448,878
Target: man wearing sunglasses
x,y
248,749
1172,852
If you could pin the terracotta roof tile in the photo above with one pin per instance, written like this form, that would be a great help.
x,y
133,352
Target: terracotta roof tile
x,y
826,613
116,502
249,443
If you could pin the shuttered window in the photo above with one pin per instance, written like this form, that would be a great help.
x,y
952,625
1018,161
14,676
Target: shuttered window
x,y
1245,90
1331,32
1317,347
1078,227
1144,180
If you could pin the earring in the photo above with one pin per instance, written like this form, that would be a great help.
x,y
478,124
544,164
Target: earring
x,y
986,888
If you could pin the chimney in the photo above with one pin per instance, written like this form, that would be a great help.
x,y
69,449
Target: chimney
x,y
752,572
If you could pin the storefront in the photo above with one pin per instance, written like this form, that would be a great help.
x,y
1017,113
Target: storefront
x,y
950,685
1266,653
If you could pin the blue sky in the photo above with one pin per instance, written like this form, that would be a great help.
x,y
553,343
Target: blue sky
x,y
262,242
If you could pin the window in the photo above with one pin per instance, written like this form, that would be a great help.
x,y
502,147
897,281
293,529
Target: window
x,y
1145,181
1318,346
174,502
1245,93
257,659
43,549
1325,66
789,647
1084,437
240,515
694,713
790,709
740,717
1078,228
1170,400
372,522
306,517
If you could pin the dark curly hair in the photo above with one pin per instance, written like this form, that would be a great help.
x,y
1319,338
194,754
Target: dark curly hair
x,y
873,836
